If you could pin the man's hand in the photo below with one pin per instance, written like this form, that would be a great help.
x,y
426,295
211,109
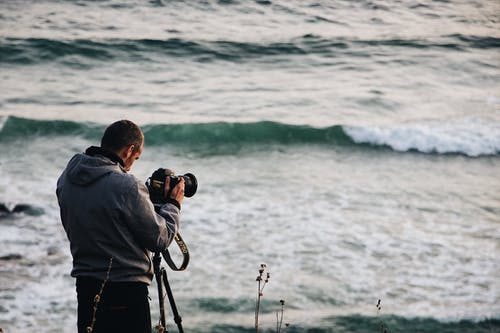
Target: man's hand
x,y
177,192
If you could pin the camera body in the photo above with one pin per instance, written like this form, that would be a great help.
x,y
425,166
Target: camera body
x,y
156,184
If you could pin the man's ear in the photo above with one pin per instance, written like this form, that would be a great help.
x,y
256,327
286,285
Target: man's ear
x,y
126,152
130,150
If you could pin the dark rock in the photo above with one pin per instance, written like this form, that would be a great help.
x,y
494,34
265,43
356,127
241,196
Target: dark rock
x,y
12,256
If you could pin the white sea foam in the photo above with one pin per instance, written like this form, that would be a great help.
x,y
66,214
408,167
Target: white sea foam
x,y
492,100
3,120
470,136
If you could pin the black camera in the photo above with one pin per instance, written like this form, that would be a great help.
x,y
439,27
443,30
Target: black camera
x,y
156,184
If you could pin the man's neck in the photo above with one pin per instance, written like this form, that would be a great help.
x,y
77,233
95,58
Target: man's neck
x,y
94,150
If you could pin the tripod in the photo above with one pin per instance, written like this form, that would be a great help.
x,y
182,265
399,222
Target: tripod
x,y
162,281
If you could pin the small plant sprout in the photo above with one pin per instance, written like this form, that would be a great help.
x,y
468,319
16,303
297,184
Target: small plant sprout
x,y
261,284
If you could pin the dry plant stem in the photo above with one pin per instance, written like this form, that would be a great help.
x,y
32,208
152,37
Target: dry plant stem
x,y
279,322
260,290
97,297
257,306
382,328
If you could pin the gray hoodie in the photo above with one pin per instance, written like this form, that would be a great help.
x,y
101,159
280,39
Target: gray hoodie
x,y
106,213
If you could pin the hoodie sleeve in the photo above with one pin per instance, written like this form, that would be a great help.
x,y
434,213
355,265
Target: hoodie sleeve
x,y
153,231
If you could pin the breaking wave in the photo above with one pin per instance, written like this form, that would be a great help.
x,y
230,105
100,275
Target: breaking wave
x,y
470,137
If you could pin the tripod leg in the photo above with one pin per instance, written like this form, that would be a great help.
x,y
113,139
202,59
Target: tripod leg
x,y
161,298
177,318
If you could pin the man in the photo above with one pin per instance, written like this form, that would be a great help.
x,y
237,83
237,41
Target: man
x,y
112,226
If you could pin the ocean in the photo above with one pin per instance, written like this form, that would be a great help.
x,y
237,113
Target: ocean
x,y
351,146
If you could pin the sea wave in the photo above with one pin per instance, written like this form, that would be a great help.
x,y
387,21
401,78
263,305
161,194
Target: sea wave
x,y
470,137
38,50
364,324
215,133
357,323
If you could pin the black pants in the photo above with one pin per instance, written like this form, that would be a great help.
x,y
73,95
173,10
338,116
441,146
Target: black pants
x,y
123,306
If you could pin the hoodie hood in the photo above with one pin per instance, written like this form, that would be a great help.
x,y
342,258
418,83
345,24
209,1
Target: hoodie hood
x,y
84,169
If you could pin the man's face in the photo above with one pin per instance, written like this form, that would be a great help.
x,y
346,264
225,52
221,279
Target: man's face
x,y
132,155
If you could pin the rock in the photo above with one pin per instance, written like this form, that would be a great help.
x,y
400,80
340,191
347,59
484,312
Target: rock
x,y
12,256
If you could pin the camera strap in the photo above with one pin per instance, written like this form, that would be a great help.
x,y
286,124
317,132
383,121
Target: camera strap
x,y
185,254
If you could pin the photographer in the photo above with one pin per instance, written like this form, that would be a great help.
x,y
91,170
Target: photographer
x,y
112,226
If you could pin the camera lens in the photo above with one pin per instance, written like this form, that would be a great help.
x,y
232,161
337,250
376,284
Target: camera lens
x,y
190,184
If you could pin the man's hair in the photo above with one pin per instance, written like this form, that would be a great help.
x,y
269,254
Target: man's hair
x,y
122,133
